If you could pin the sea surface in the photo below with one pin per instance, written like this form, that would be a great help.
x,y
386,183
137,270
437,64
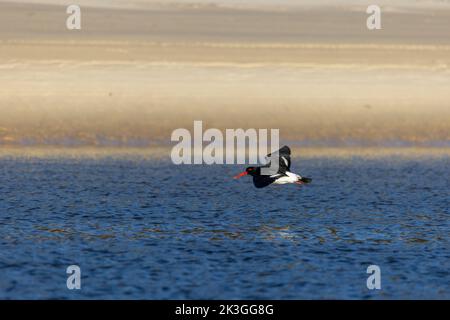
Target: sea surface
x,y
143,228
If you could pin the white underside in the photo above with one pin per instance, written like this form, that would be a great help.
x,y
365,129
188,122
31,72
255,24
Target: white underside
x,y
289,178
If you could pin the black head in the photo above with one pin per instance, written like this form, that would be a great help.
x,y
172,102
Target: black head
x,y
253,171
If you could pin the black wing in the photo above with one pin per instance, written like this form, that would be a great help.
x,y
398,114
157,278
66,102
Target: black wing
x,y
284,158
262,181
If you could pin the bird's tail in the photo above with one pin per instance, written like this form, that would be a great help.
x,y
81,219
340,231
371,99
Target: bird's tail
x,y
305,180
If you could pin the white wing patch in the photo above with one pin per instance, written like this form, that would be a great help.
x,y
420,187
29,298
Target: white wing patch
x,y
288,178
276,175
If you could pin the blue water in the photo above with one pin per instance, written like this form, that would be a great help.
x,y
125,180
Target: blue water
x,y
148,229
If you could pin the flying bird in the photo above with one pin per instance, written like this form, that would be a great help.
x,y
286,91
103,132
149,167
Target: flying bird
x,y
282,176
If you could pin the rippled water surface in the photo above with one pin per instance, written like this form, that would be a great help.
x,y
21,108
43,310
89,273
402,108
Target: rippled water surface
x,y
148,229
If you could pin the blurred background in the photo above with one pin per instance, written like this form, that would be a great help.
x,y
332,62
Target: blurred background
x,y
139,69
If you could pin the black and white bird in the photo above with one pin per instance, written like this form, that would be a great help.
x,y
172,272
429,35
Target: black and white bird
x,y
282,176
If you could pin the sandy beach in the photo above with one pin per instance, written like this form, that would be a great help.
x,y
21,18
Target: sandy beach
x,y
137,71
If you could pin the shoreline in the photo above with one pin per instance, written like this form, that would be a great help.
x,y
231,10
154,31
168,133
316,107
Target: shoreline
x,y
163,152
319,76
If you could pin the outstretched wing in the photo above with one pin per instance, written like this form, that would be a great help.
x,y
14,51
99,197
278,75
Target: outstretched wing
x,y
283,156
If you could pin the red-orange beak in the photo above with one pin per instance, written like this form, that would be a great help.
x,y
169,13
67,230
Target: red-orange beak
x,y
240,175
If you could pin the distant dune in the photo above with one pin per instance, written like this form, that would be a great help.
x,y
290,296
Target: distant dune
x,y
130,77
248,4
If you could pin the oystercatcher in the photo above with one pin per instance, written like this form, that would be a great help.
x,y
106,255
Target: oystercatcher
x,y
282,176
